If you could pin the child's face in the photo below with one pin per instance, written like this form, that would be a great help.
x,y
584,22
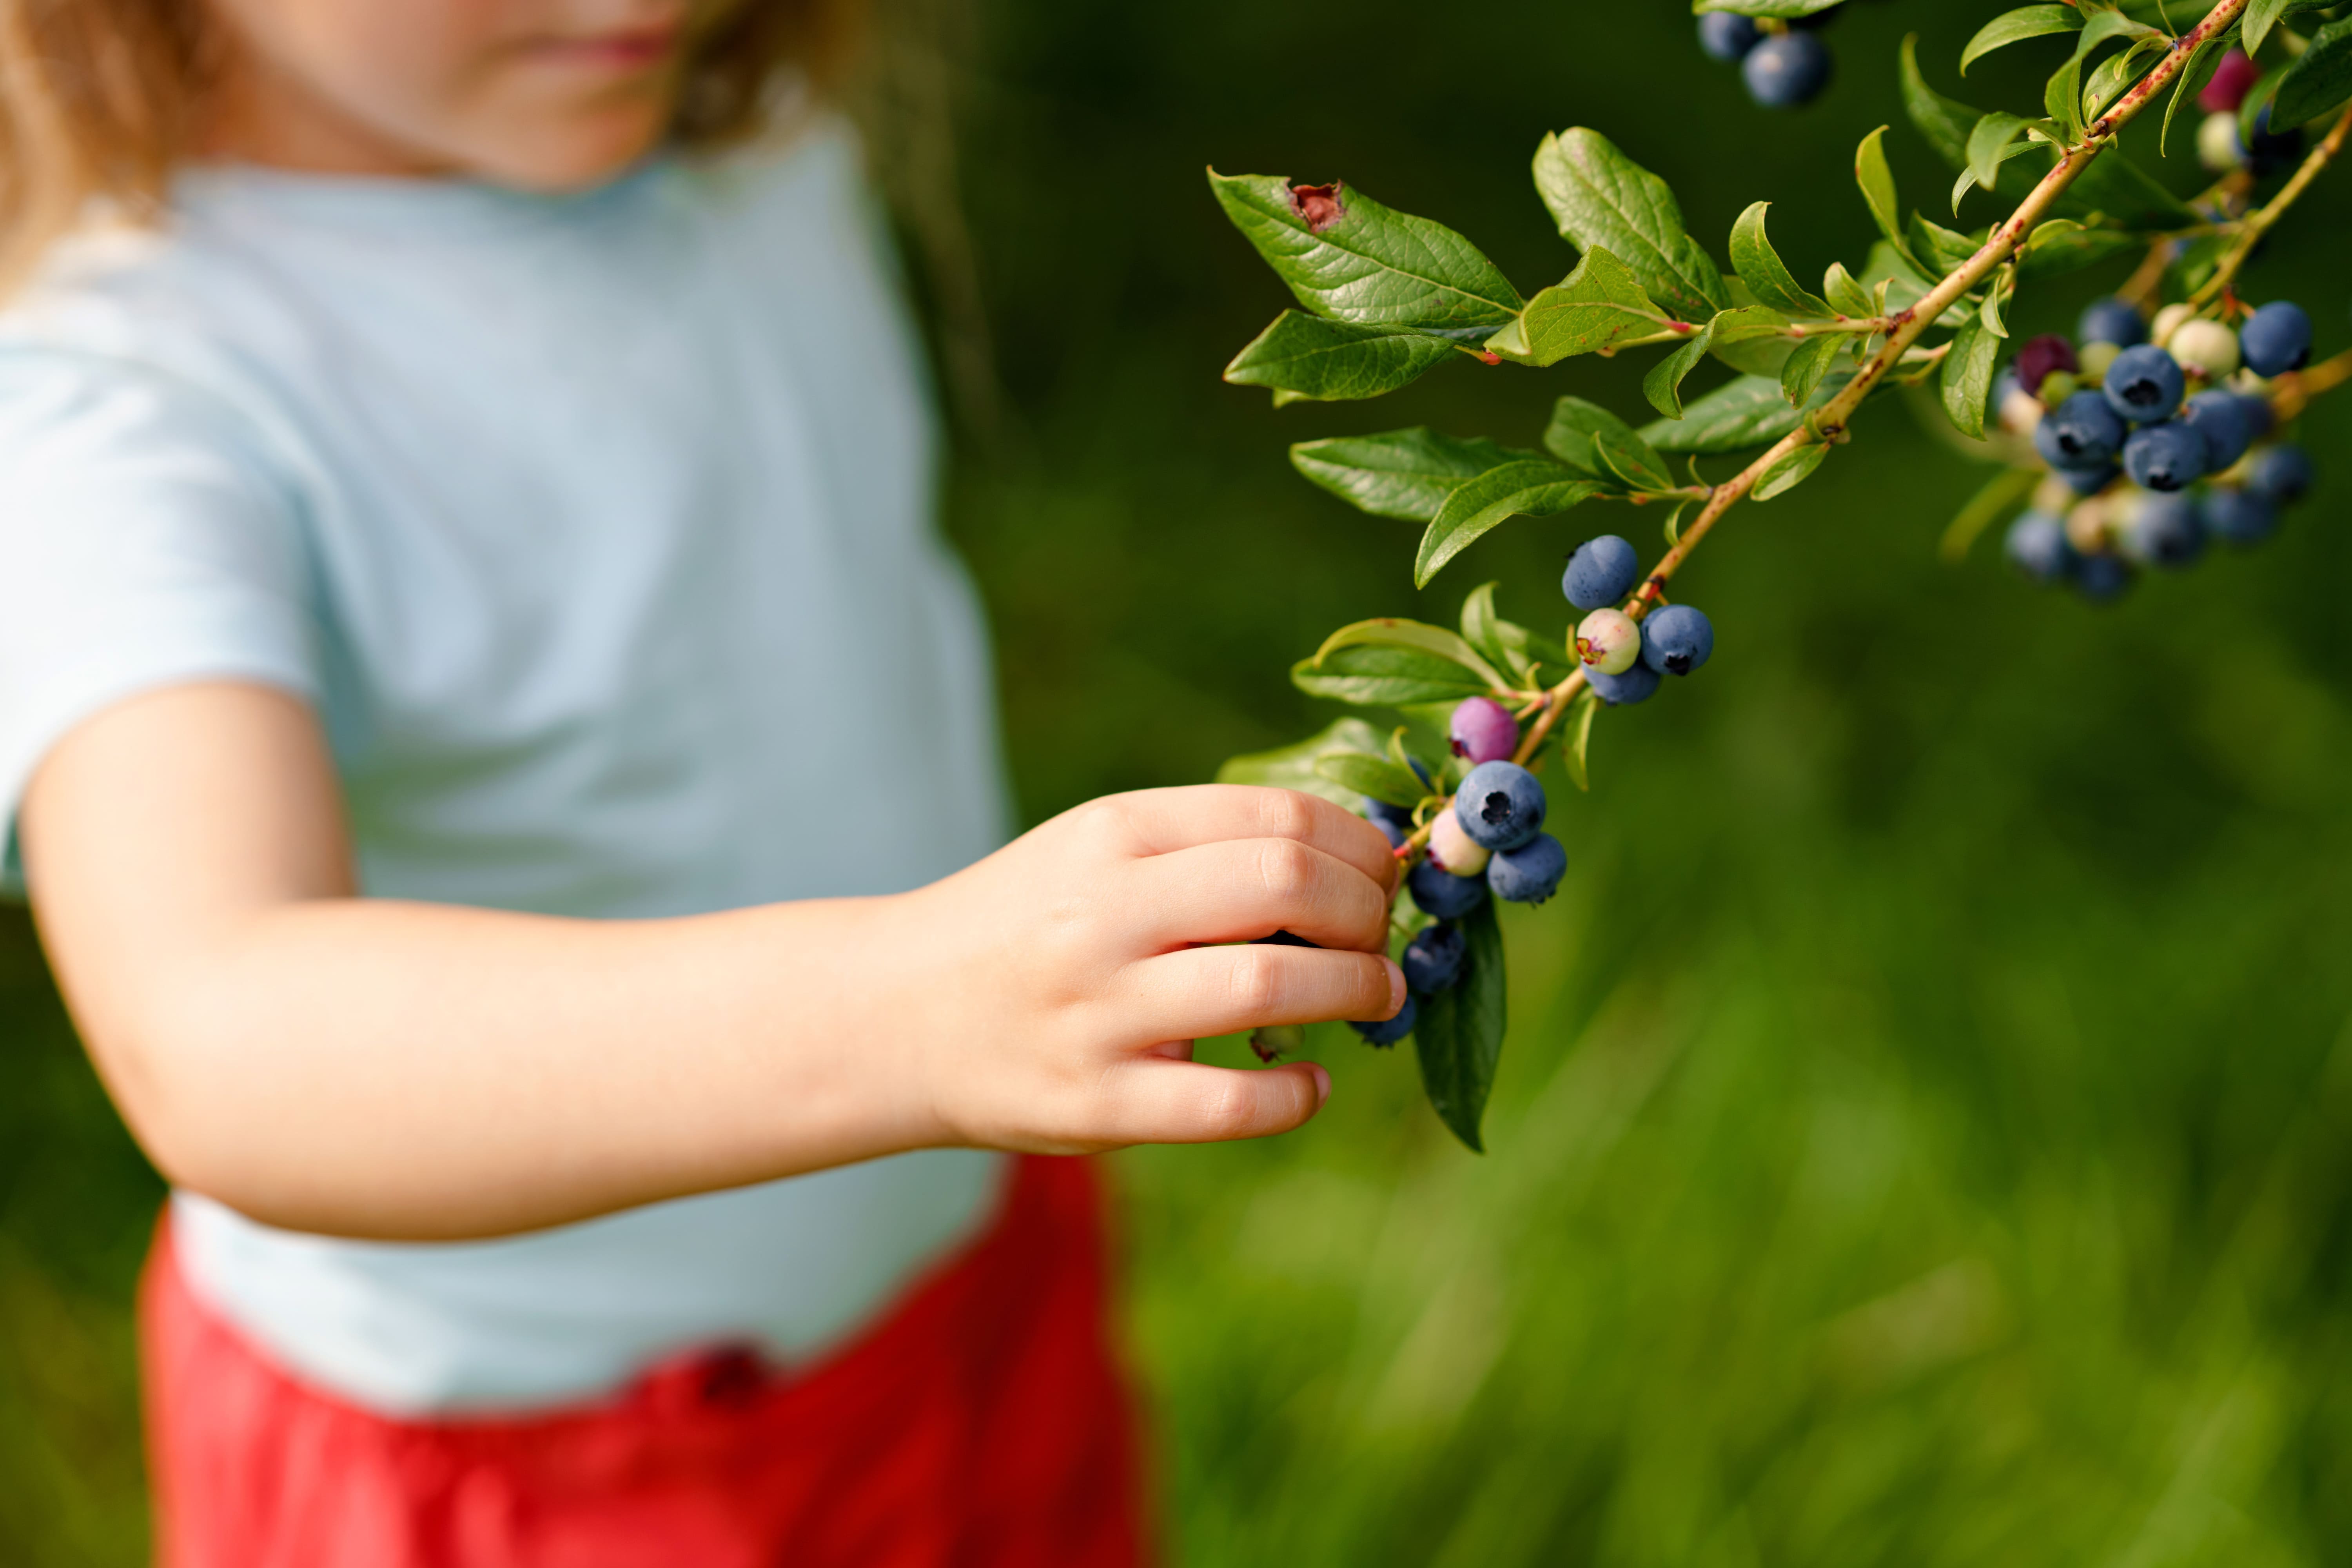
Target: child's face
x,y
538,93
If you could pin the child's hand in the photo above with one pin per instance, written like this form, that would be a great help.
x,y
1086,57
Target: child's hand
x,y
1078,964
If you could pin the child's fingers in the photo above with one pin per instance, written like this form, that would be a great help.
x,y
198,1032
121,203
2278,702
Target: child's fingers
x,y
1164,821
1208,990
1156,1100
1241,888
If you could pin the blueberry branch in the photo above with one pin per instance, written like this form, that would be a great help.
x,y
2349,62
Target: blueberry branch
x,y
1904,329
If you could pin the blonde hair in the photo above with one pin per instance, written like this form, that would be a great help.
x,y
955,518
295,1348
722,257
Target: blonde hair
x,y
99,100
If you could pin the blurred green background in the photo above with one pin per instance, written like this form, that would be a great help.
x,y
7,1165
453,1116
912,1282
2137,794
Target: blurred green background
x,y
1925,1135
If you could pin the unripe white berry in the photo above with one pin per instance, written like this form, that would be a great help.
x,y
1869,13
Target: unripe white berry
x,y
1609,641
2169,320
2217,143
1454,849
2205,348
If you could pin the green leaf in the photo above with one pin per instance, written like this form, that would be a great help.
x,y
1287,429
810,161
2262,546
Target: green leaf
x,y
1966,378
1368,263
1790,472
1872,172
1749,412
1293,766
1403,474
1579,738
1390,632
1807,366
2016,27
2062,98
1459,1034
1376,777
1944,249
2316,82
1784,9
1850,298
1574,424
1944,121
2188,85
1309,357
1631,458
2071,251
1989,145
1761,268
1600,305
1989,314
1535,487
1602,199
1663,385
2258,20
1385,677
1484,630
1541,651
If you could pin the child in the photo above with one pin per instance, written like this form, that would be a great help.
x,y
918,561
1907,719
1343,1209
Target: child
x,y
505,773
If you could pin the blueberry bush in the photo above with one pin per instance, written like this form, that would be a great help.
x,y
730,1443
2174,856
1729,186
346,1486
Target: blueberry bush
x,y
2163,424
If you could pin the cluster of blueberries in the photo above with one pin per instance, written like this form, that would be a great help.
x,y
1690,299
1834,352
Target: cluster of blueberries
x,y
2121,408
1490,838
2223,141
1783,69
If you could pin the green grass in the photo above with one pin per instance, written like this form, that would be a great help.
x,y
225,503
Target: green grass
x,y
1925,1132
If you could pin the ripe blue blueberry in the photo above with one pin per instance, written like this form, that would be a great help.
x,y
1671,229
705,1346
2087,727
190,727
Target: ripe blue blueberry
x,y
1638,684
1727,36
2101,578
2276,339
2164,531
1676,640
2082,432
1483,729
1389,1031
2221,418
1432,959
2145,383
2112,321
2165,456
1500,805
2089,482
2037,546
1788,70
1529,874
1395,833
1381,813
2281,473
1441,895
2260,415
2270,150
2241,516
1604,570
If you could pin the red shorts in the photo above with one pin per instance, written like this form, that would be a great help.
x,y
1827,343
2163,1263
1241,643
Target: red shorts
x,y
983,1421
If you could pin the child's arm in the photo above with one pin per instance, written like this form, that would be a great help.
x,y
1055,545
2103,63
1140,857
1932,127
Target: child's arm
x,y
368,1067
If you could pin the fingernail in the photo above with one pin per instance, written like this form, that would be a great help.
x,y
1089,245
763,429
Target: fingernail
x,y
1396,988
1322,1083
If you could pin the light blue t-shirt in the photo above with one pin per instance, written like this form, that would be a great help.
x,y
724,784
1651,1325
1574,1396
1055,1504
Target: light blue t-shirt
x,y
598,529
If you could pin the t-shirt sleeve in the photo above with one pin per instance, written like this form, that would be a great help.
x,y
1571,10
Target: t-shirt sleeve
x,y
143,543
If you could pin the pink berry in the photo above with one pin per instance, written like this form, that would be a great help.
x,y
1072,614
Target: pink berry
x,y
1484,731
2233,79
